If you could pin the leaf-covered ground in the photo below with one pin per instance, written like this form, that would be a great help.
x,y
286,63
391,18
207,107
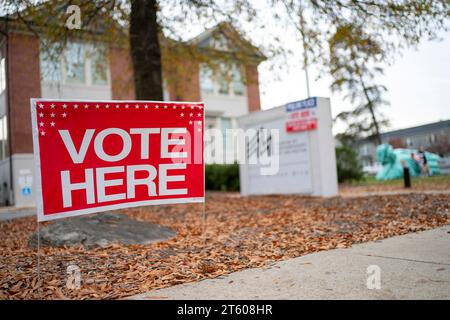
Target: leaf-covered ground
x,y
237,233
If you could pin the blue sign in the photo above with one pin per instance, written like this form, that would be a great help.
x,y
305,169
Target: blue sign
x,y
26,191
302,104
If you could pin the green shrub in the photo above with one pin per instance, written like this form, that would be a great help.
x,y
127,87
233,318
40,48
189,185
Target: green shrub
x,y
225,177
222,177
348,166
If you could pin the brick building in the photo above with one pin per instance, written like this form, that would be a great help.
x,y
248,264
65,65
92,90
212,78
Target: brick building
x,y
85,72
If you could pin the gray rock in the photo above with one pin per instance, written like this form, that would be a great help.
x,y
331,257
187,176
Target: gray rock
x,y
100,230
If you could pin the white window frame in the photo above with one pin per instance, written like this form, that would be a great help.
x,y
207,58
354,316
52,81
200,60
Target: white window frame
x,y
216,83
87,70
204,70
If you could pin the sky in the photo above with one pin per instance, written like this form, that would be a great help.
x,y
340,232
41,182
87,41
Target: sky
x,y
418,86
418,82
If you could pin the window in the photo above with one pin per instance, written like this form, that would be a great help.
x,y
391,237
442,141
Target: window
x,y
80,64
2,75
220,42
75,58
99,66
3,137
432,138
227,80
206,79
224,82
223,86
225,123
238,84
50,64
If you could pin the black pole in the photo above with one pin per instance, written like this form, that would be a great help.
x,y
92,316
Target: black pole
x,y
406,177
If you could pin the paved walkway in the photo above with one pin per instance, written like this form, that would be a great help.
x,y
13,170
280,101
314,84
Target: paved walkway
x,y
412,266
9,213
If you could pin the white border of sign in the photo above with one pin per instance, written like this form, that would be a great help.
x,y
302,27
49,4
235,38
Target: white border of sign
x,y
37,167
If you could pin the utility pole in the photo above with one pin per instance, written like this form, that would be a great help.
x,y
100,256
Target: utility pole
x,y
305,51
307,77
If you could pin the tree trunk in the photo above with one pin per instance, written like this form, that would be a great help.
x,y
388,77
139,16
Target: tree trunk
x,y
145,50
372,113
375,123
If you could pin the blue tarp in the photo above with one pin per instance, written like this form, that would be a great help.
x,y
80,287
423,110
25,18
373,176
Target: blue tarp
x,y
393,161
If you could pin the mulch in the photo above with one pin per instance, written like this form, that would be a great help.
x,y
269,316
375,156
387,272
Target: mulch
x,y
236,233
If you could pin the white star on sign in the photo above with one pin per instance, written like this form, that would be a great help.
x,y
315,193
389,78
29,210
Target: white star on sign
x,y
126,106
199,114
86,106
52,106
200,107
52,124
75,106
64,115
136,106
41,124
42,133
182,107
41,115
41,106
107,106
174,107
52,115
64,106
182,114
156,107
165,107
117,106
146,106
199,130
191,114
199,122
192,107
190,122
97,106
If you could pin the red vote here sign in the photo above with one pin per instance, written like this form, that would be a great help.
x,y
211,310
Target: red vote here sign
x,y
93,156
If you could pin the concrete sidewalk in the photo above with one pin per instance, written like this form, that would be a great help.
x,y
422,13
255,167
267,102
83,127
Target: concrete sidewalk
x,y
10,213
413,266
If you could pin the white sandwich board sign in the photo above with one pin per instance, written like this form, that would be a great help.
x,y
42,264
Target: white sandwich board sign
x,y
306,150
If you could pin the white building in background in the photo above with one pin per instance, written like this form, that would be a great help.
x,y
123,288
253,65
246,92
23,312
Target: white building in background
x,y
91,71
